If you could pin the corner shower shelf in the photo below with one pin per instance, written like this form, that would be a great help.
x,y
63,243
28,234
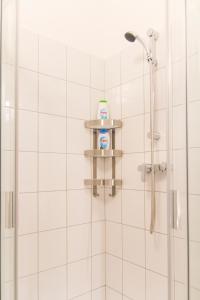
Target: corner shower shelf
x,y
103,153
95,153
103,124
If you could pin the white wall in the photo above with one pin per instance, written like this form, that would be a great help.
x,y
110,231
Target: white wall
x,y
94,26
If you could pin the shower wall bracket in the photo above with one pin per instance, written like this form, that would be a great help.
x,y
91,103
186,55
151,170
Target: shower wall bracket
x,y
96,153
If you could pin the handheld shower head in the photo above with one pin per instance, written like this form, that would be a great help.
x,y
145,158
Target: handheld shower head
x,y
132,37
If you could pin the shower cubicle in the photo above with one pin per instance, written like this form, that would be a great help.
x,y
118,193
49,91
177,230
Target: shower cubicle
x,y
83,223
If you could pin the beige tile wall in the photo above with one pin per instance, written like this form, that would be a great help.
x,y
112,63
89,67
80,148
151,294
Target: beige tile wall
x,y
61,229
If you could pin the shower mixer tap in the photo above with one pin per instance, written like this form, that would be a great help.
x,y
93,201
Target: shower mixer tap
x,y
147,168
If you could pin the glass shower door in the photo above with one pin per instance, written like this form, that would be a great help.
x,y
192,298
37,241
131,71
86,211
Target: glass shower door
x,y
193,128
8,149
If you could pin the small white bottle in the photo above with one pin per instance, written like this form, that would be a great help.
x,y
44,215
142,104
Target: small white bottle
x,y
104,139
103,111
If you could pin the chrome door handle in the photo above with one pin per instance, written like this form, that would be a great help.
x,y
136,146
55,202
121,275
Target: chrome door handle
x,y
9,207
176,210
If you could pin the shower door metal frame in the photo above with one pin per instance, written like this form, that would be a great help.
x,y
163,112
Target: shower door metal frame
x,y
172,201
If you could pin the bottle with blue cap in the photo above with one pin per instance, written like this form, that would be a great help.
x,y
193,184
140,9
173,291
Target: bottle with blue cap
x,y
104,139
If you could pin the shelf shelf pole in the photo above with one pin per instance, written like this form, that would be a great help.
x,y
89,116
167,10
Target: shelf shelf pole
x,y
94,167
113,192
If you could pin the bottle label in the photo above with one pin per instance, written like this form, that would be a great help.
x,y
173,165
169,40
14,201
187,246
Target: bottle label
x,y
103,114
103,142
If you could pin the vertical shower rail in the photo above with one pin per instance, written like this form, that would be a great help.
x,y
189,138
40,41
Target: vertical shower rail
x,y
153,135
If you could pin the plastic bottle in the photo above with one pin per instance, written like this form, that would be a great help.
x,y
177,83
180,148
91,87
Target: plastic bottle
x,y
104,139
103,111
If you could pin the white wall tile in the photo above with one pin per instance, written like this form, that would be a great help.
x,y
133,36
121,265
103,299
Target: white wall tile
x,y
194,124
52,58
78,101
27,172
80,199
180,291
52,95
8,180
195,294
180,260
194,170
9,250
194,217
78,137
113,295
134,245
28,50
95,96
179,79
156,286
99,294
98,238
131,63
28,129
27,89
78,67
79,277
8,128
28,288
114,239
98,271
132,178
132,98
179,170
97,73
86,296
52,134
79,242
78,169
112,72
52,172
132,134
27,255
179,127
98,207
52,249
52,284
9,290
133,281
178,30
193,88
156,252
114,102
52,210
114,272
27,213
113,207
194,265
133,208
8,85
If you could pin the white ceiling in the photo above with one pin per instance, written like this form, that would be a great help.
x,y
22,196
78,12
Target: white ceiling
x,y
94,26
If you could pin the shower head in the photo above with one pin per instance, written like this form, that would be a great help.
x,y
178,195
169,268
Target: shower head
x,y
132,37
